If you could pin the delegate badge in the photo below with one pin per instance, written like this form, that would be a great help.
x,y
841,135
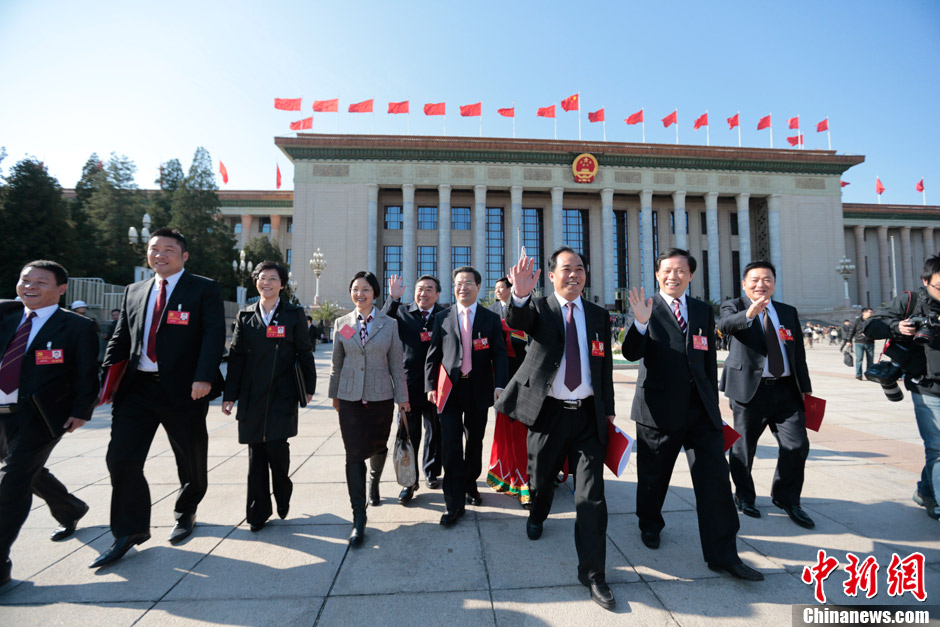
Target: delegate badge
x,y
597,348
55,356
177,317
481,343
785,334
700,342
276,330
425,336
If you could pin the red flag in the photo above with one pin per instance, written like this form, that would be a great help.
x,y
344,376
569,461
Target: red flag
x,y
434,108
546,112
570,103
672,118
398,107
823,126
764,122
636,118
701,121
794,122
879,188
287,104
843,183
734,120
301,125
326,106
920,186
279,176
795,140
223,172
361,107
507,113
597,116
471,110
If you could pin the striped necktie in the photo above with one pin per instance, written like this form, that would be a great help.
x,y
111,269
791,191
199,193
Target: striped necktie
x,y
12,361
679,318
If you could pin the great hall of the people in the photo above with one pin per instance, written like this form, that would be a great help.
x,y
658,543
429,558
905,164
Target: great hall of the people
x,y
413,205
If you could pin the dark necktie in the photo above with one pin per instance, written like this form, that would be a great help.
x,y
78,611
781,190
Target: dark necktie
x,y
774,355
424,315
158,308
572,352
12,360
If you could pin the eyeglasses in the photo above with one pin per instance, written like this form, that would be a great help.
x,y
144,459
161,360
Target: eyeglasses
x,y
462,284
936,287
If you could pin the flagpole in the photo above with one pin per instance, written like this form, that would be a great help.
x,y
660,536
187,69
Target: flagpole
x,y
828,133
677,126
771,127
739,128
707,141
579,116
604,123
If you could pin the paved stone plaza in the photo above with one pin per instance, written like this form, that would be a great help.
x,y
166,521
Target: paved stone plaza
x,y
860,477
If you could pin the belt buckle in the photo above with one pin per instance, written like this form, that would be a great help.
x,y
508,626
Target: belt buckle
x,y
575,404
8,409
465,376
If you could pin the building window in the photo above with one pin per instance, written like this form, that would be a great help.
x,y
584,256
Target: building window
x,y
392,262
393,218
237,227
734,224
459,256
704,223
290,225
705,291
427,218
533,238
427,260
655,234
264,225
736,273
495,246
289,258
575,234
621,270
672,222
460,218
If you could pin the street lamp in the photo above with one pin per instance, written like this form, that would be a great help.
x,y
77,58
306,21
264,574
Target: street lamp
x,y
845,268
242,270
318,265
139,242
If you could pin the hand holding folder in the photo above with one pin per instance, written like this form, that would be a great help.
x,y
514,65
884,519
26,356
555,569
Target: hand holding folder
x,y
443,388
619,447
111,381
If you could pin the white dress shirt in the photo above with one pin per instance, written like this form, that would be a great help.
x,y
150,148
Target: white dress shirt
x,y
145,364
558,389
266,317
775,321
683,309
42,314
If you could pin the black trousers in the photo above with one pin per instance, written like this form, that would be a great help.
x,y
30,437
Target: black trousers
x,y
657,452
463,464
422,411
777,406
571,434
25,450
134,422
268,464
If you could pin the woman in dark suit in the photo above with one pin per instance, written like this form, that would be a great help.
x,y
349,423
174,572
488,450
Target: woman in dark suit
x,y
367,379
270,336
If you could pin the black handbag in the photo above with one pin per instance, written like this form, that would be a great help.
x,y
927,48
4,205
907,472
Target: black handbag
x,y
847,359
883,372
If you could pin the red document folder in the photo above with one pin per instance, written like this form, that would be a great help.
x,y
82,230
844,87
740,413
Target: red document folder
x,y
730,434
619,447
111,381
443,388
815,408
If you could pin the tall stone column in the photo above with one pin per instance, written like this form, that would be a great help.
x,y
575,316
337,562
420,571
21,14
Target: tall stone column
x,y
646,242
682,220
276,230
884,261
860,265
443,240
776,243
607,245
479,230
246,229
907,270
714,247
744,231
372,230
408,251
929,249
557,217
515,203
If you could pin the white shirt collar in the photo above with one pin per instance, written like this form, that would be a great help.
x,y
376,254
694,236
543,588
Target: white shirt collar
x,y
472,308
171,280
563,302
42,313
371,314
669,299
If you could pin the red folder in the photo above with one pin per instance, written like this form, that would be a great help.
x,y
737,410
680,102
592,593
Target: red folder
x,y
111,381
815,408
730,434
443,388
619,447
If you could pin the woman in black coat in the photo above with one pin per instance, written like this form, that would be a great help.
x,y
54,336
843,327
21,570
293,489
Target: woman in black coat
x,y
270,336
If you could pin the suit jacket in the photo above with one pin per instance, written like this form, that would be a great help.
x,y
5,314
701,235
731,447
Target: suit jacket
x,y
543,320
261,372
488,367
73,334
410,326
744,366
671,370
185,353
374,372
515,345
497,308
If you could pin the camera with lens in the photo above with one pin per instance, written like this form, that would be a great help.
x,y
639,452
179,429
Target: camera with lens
x,y
926,327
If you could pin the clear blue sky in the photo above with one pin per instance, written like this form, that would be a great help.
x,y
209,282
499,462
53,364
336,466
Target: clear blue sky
x,y
155,80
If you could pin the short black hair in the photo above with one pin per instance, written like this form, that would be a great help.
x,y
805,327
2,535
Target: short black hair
x,y
56,268
428,277
476,275
505,280
370,279
931,267
864,309
553,259
166,231
760,263
271,265
676,252
309,319
117,310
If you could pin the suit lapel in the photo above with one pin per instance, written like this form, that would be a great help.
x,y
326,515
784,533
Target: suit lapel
x,y
175,301
55,322
10,321
558,315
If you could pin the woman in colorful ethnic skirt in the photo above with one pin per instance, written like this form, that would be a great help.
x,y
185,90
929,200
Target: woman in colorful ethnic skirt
x,y
367,379
270,337
509,457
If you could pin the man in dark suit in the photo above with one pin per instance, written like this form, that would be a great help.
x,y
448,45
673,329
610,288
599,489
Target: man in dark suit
x,y
676,406
503,291
468,342
415,323
48,356
766,378
518,340
171,333
564,392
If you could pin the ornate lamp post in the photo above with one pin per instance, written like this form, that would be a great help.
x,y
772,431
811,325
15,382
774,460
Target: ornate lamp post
x,y
845,268
318,265
292,285
242,270
139,242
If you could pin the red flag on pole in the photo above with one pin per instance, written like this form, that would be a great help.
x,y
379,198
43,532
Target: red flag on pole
x,y
361,107
287,104
279,176
570,103
398,107
795,140
879,188
672,118
326,106
546,112
764,122
507,113
597,116
434,108
843,183
823,126
301,125
734,120
471,110
223,172
920,186
701,121
794,122
636,118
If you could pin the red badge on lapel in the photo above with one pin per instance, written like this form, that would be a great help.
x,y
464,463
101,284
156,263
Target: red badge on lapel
x,y
597,348
276,330
481,344
785,334
177,317
54,356
347,331
425,336
700,342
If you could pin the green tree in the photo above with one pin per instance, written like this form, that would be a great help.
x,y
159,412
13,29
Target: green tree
x,y
92,174
171,176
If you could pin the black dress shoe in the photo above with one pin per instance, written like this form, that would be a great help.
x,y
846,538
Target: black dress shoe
x,y
474,498
121,546
433,483
64,531
449,519
282,512
650,539
256,527
407,494
600,593
746,508
183,529
739,571
797,514
533,529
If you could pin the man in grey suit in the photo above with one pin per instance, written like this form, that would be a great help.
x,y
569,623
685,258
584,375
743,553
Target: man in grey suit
x,y
502,290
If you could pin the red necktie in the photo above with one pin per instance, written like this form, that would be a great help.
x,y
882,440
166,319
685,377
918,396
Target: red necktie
x,y
572,352
12,361
679,318
158,308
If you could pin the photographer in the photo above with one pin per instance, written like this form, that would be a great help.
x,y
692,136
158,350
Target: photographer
x,y
864,345
912,322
